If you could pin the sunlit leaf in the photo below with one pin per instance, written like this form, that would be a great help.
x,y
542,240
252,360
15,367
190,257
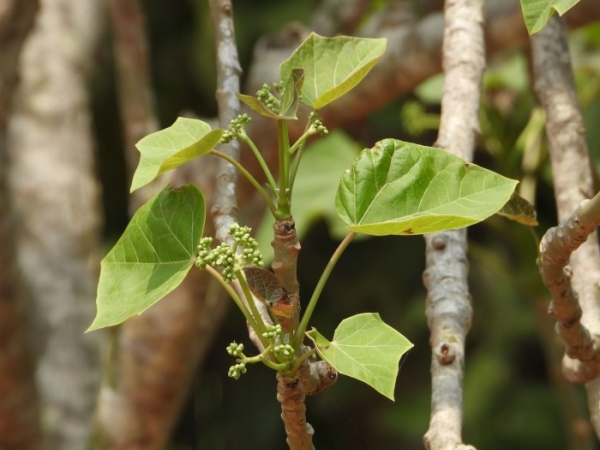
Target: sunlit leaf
x,y
538,12
404,189
167,149
366,348
264,284
519,210
332,66
153,256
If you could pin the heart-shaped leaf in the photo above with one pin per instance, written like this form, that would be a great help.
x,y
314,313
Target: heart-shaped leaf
x,y
519,210
366,348
538,12
167,149
332,66
403,189
153,256
264,284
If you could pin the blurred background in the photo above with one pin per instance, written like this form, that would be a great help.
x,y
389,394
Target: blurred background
x,y
515,396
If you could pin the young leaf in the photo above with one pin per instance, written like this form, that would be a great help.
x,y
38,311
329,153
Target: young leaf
x,y
264,284
288,104
258,106
333,66
153,256
538,12
403,189
519,210
167,149
365,348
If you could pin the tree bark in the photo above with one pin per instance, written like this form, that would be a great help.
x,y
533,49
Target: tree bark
x,y
19,415
572,174
449,308
56,198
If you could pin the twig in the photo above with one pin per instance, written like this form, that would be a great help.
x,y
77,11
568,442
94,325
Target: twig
x,y
572,174
225,209
293,413
449,308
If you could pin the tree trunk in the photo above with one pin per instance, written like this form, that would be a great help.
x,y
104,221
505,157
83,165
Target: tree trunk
x,y
56,197
19,422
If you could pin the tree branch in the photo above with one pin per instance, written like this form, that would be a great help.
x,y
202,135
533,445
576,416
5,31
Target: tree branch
x,y
449,308
573,183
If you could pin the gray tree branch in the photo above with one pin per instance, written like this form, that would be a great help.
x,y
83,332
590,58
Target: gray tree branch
x,y
449,308
572,174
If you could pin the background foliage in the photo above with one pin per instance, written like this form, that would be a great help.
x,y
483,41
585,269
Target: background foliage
x,y
510,398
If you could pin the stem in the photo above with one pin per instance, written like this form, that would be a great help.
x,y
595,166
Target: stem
x,y
249,177
299,145
299,336
250,298
238,301
284,168
244,137
292,372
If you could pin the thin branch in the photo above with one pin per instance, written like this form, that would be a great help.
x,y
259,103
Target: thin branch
x,y
572,174
556,248
449,308
225,209
293,413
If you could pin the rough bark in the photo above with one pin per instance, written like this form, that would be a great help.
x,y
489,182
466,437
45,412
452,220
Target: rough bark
x,y
19,415
572,174
449,308
293,413
56,198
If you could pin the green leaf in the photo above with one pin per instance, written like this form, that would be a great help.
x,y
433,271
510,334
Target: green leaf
x,y
403,189
153,256
323,162
258,106
365,348
519,210
538,12
167,149
291,94
333,66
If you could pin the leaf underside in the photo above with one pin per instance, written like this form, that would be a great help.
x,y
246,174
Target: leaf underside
x,y
404,189
264,284
153,256
537,12
519,210
332,66
167,149
366,348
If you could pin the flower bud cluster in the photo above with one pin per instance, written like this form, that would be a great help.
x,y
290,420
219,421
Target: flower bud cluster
x,y
269,100
317,123
250,255
272,331
286,351
236,370
227,260
235,349
236,128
